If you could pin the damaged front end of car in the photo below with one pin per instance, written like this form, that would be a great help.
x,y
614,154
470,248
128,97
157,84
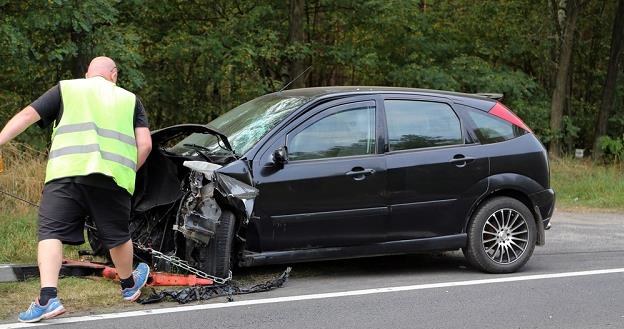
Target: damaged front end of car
x,y
189,203
200,211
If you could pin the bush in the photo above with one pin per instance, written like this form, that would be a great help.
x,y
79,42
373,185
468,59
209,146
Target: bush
x,y
612,148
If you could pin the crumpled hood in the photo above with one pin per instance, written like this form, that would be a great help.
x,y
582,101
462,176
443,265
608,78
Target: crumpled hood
x,y
165,134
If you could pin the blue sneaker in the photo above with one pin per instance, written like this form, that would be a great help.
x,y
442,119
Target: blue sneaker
x,y
36,312
140,274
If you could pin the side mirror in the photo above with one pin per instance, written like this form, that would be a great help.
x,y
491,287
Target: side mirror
x,y
280,156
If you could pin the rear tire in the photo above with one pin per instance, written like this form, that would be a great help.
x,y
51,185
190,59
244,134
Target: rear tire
x,y
501,236
216,257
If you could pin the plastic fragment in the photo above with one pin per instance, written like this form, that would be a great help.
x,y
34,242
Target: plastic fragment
x,y
203,167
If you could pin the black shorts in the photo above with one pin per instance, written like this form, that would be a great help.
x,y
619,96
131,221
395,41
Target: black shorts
x,y
65,204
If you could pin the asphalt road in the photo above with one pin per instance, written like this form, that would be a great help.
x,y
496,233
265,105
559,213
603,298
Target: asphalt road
x,y
441,292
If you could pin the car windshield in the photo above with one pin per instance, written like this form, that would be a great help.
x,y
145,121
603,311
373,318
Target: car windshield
x,y
246,124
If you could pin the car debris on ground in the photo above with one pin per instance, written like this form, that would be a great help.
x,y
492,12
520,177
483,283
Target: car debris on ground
x,y
199,293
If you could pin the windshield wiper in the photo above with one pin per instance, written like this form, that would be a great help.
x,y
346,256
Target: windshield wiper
x,y
199,150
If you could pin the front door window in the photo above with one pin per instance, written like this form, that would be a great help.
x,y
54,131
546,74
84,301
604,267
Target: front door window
x,y
346,133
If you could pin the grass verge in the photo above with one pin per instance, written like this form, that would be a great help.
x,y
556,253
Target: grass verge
x,y
582,184
23,176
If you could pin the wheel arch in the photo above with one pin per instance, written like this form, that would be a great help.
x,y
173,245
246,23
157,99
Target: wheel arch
x,y
514,194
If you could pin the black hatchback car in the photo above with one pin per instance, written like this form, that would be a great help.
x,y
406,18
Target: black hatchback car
x,y
341,172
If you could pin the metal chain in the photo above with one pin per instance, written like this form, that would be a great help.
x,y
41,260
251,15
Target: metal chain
x,y
182,264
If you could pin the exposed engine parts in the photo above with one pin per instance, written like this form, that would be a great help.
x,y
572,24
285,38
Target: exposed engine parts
x,y
199,215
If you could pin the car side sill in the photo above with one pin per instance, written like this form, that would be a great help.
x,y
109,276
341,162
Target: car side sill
x,y
449,242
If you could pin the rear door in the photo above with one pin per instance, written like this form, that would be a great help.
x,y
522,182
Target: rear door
x,y
435,173
331,191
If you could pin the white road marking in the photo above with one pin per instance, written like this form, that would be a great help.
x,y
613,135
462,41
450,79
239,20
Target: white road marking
x,y
309,297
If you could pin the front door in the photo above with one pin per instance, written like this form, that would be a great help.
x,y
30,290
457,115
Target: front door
x,y
331,190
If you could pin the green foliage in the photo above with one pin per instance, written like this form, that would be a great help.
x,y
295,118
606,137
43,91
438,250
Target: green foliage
x,y
569,133
613,148
535,112
191,61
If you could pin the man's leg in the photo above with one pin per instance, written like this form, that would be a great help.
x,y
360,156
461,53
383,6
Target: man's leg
x,y
122,256
49,259
131,281
61,218
110,210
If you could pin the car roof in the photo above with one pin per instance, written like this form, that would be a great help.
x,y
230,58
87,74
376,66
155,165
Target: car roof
x,y
474,100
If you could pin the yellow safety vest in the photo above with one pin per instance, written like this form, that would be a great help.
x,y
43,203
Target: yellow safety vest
x,y
95,133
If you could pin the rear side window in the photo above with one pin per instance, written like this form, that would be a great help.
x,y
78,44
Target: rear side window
x,y
490,129
419,124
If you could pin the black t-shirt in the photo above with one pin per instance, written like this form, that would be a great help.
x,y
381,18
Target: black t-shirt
x,y
50,108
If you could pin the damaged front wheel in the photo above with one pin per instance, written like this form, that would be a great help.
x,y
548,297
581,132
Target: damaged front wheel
x,y
215,258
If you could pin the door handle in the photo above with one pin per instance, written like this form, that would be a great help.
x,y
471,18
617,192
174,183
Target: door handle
x,y
460,160
359,173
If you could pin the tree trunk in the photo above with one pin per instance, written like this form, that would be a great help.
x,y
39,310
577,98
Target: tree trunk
x,y
561,80
80,63
608,93
296,35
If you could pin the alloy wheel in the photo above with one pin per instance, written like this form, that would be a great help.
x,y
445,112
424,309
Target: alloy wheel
x,y
505,236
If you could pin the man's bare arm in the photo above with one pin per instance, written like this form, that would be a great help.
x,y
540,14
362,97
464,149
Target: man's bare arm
x,y
19,123
144,144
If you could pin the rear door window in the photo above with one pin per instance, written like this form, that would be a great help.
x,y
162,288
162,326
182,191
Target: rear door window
x,y
490,129
420,124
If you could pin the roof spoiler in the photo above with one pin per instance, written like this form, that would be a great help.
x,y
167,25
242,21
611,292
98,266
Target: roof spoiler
x,y
494,96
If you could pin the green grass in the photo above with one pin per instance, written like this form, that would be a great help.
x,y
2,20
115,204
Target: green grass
x,y
18,239
583,184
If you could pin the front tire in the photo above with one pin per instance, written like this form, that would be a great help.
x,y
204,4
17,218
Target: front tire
x,y
216,257
501,236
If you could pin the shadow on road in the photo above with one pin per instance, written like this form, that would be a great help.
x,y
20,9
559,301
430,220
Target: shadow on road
x,y
442,262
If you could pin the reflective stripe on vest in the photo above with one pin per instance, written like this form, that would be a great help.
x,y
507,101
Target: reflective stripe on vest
x,y
100,131
93,148
95,133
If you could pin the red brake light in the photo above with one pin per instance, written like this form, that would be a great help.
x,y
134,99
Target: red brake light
x,y
504,113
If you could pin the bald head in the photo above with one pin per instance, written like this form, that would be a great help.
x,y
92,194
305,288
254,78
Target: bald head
x,y
104,67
